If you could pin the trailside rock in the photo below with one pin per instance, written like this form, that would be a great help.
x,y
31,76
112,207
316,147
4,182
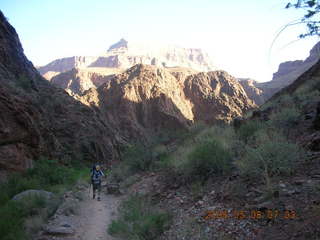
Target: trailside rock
x,y
59,231
33,193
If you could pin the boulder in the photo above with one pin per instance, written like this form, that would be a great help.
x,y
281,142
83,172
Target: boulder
x,y
33,193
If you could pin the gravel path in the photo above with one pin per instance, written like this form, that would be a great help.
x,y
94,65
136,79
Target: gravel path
x,y
95,216
88,220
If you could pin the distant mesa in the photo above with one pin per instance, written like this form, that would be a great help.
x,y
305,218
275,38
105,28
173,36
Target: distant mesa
x,y
124,55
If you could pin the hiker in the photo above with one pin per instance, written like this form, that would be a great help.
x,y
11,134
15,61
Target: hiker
x,y
96,175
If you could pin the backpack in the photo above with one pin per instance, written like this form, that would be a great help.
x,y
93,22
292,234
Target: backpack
x,y
96,177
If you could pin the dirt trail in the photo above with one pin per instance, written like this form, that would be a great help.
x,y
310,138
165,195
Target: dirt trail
x,y
95,216
90,222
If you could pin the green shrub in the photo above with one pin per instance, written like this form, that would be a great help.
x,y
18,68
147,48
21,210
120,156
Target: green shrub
x,y
139,220
225,134
17,183
138,158
273,156
49,172
18,218
285,118
208,157
248,129
11,222
46,175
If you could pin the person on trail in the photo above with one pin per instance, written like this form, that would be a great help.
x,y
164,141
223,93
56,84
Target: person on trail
x,y
96,176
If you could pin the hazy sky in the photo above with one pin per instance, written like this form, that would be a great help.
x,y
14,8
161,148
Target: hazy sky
x,y
237,34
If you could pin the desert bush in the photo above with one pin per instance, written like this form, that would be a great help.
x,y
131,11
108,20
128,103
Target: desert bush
x,y
139,220
207,158
15,184
304,98
273,155
137,157
119,173
285,118
11,222
248,129
224,133
310,86
21,218
285,100
49,172
47,175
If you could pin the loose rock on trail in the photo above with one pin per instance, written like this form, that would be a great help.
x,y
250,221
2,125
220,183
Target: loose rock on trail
x,y
80,217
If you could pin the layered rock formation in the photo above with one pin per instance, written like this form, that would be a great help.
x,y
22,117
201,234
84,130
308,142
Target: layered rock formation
x,y
125,55
145,100
38,119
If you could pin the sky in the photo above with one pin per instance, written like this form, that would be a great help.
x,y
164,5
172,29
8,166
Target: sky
x,y
236,34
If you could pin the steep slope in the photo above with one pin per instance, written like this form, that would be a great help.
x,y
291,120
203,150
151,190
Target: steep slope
x,y
216,96
125,55
142,101
145,100
38,119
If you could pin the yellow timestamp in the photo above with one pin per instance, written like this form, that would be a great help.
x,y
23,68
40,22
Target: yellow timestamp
x,y
250,214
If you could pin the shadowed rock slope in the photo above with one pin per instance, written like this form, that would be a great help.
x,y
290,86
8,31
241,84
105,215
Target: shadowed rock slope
x,y
145,100
38,119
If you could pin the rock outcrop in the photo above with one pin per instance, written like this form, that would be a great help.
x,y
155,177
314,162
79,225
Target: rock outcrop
x,y
216,96
78,80
38,119
125,55
145,99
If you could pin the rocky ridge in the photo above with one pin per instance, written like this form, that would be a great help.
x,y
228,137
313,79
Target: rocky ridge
x,y
145,99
